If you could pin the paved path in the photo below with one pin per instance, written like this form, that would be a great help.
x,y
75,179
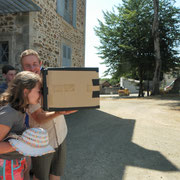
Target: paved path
x,y
126,139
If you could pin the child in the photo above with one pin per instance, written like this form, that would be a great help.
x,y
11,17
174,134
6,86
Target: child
x,y
9,73
22,91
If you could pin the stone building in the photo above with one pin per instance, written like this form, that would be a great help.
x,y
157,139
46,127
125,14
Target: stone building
x,y
54,28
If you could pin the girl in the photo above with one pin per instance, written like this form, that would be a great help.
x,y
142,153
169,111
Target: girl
x,y
22,91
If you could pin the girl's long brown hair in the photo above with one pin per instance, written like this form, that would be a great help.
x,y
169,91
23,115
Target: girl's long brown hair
x,y
14,95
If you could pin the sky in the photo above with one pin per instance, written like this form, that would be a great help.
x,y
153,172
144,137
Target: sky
x,y
94,10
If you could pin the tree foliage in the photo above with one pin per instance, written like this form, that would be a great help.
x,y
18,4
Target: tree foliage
x,y
126,40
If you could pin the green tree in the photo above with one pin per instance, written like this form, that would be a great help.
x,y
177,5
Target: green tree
x,y
126,40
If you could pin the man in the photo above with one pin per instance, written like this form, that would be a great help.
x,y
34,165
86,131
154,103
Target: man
x,y
50,166
9,73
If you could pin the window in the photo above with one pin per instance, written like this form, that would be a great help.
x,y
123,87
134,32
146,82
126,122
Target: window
x,y
66,56
67,9
66,5
4,52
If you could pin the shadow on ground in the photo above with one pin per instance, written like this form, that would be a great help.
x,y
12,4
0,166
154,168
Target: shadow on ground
x,y
99,147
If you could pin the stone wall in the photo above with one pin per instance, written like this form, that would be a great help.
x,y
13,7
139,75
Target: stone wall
x,y
44,31
14,28
48,31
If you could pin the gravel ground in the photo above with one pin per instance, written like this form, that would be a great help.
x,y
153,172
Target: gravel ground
x,y
128,138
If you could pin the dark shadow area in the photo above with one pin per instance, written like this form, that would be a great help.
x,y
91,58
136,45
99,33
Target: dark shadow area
x,y
164,97
99,147
172,105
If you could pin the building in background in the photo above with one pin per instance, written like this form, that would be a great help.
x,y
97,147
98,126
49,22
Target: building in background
x,y
54,28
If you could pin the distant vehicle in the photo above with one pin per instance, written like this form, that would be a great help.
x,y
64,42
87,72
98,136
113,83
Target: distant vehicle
x,y
169,87
123,92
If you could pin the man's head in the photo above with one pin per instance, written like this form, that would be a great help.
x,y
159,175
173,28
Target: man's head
x,y
8,72
30,61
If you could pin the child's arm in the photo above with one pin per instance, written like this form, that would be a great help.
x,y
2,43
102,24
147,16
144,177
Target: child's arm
x,y
42,116
5,147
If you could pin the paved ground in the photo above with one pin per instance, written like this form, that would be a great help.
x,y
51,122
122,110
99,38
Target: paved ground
x,y
126,139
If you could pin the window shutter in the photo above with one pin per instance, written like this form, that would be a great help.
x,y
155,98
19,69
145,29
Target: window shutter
x,y
69,56
66,61
64,51
66,11
60,7
66,5
69,53
74,13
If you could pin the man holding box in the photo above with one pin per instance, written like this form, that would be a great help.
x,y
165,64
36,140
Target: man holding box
x,y
50,166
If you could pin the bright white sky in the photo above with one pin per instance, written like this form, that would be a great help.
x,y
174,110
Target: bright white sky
x,y
94,10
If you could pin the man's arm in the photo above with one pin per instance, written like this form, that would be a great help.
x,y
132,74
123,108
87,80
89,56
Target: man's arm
x,y
42,116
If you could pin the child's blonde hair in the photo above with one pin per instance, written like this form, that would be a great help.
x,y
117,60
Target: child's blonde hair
x,y
14,95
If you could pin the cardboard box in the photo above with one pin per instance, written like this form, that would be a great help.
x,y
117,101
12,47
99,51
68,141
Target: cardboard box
x,y
70,88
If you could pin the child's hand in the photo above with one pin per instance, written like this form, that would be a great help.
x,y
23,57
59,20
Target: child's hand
x,y
65,112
